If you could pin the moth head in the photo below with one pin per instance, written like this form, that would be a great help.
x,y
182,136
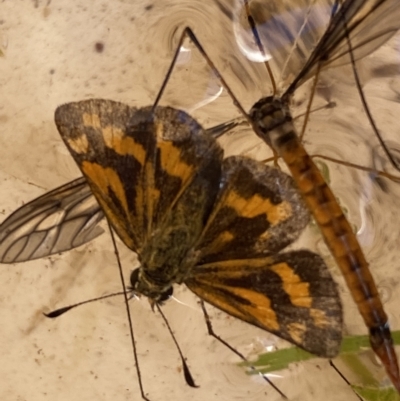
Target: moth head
x,y
141,286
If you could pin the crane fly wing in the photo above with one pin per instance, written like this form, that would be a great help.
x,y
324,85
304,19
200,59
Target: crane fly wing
x,y
257,213
366,25
140,163
57,221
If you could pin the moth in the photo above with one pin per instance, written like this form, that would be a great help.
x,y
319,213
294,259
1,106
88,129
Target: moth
x,y
218,225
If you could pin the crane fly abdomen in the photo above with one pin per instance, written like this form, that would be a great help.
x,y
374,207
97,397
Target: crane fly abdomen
x,y
335,228
273,123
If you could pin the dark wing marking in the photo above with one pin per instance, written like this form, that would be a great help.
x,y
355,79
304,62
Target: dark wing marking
x,y
138,163
55,222
258,212
291,295
366,23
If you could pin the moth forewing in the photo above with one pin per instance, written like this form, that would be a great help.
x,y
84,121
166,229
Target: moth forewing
x,y
62,219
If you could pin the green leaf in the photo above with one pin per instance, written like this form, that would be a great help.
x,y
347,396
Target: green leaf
x,y
377,394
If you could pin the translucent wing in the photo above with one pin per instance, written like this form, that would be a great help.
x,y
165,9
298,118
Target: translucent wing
x,y
257,213
289,31
139,163
365,24
55,222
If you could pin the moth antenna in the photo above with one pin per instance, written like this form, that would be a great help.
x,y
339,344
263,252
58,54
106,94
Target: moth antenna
x,y
128,312
58,312
186,371
235,351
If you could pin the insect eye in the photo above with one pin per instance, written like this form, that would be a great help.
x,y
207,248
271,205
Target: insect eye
x,y
134,277
166,295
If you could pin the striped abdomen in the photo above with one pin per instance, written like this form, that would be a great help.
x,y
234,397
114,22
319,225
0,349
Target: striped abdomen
x,y
273,123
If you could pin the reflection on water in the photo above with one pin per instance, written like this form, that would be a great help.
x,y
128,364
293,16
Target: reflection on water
x,y
288,32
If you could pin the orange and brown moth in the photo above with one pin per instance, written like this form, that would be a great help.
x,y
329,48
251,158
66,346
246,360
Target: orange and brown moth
x,y
218,225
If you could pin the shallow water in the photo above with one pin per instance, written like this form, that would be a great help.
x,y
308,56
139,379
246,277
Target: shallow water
x,y
52,54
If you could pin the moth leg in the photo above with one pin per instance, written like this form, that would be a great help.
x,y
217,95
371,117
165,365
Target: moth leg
x,y
234,350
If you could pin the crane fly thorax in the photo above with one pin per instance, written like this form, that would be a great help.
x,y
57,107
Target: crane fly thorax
x,y
271,117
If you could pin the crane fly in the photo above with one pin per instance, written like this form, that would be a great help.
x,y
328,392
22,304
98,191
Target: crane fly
x,y
272,121
357,28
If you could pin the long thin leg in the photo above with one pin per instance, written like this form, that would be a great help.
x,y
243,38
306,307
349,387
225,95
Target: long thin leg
x,y
128,312
261,49
344,379
188,376
235,351
308,110
187,32
358,167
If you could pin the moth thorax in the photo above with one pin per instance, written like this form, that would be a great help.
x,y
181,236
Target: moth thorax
x,y
268,115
